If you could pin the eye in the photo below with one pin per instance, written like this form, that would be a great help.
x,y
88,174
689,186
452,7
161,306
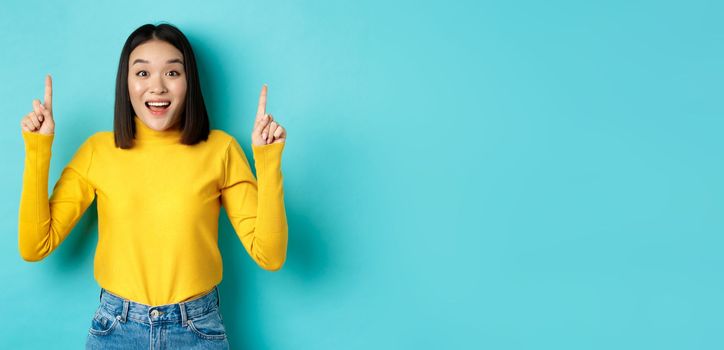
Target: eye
x,y
139,73
174,73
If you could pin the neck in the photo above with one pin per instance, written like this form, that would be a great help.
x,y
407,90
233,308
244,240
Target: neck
x,y
145,134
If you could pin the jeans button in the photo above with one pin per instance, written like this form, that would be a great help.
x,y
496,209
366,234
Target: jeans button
x,y
154,313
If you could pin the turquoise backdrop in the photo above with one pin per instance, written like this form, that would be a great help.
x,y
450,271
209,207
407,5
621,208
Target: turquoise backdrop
x,y
458,174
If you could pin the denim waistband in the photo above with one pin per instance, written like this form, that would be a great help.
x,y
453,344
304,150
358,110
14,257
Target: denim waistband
x,y
180,312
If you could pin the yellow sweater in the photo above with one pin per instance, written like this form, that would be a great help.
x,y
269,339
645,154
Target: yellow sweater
x,y
158,209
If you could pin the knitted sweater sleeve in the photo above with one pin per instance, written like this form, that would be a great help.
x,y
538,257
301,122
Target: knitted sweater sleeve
x,y
256,208
45,222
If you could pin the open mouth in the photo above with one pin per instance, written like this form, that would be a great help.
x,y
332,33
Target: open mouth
x,y
157,106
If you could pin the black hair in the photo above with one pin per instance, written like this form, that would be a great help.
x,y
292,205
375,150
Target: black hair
x,y
193,120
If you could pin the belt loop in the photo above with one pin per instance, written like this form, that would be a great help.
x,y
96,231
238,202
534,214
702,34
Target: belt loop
x,y
216,289
184,318
100,295
124,315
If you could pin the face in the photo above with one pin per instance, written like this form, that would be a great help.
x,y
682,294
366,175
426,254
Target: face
x,y
156,75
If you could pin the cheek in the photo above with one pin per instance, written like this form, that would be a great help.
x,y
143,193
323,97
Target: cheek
x,y
179,89
135,90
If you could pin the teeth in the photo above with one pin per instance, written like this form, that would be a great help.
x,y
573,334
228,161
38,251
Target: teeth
x,y
158,104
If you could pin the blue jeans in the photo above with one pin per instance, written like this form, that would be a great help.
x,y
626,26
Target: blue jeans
x,y
123,324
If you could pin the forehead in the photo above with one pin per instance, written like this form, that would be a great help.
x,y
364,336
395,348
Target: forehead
x,y
155,51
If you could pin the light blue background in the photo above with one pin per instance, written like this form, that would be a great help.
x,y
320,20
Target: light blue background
x,y
458,174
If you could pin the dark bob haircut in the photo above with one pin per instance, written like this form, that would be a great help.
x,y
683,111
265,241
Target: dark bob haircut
x,y
194,120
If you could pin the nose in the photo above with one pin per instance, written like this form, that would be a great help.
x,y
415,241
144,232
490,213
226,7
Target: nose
x,y
158,86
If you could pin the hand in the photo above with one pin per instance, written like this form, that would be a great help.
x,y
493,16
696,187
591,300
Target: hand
x,y
40,120
266,130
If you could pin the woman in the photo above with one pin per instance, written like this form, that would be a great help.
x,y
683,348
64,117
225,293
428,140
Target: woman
x,y
160,178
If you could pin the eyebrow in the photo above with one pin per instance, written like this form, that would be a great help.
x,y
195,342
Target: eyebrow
x,y
173,60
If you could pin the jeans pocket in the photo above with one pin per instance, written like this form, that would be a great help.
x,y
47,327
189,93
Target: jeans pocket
x,y
209,326
103,323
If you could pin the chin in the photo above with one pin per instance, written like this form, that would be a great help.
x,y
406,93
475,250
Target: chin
x,y
158,123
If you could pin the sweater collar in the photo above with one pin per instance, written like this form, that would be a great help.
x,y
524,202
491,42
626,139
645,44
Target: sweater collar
x,y
146,134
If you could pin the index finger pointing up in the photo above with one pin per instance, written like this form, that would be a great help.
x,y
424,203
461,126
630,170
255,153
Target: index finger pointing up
x,y
262,103
48,100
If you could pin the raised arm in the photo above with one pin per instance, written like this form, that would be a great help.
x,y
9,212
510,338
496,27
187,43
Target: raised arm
x,y
44,223
256,208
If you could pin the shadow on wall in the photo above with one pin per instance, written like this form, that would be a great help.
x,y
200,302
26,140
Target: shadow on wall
x,y
307,258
